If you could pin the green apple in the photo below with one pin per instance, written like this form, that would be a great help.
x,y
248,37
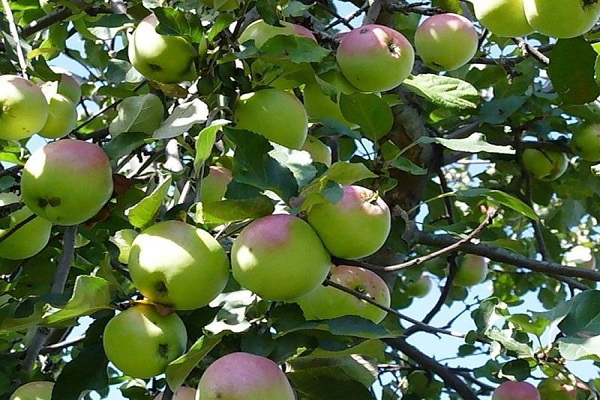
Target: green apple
x,y
222,5
375,58
183,393
354,227
472,270
326,302
69,87
28,240
319,151
279,257
141,342
178,265
260,32
544,165
586,141
552,389
562,19
277,115
67,182
62,116
516,390
214,185
244,376
23,108
419,288
505,18
161,58
446,41
319,105
36,390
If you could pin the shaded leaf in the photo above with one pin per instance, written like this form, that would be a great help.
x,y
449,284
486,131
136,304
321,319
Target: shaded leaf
x,y
87,371
182,119
142,214
230,210
369,111
142,113
179,369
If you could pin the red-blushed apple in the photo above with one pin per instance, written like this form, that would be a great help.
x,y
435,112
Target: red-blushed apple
x,y
221,5
516,391
244,376
28,240
319,151
263,112
36,390
504,18
67,182
544,165
446,41
375,58
472,270
214,184
279,257
141,342
23,108
326,302
585,141
62,116
354,227
183,393
563,19
319,105
178,265
419,288
553,389
260,32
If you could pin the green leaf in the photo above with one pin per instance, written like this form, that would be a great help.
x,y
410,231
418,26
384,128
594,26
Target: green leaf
x,y
373,348
182,119
504,337
231,316
122,145
518,370
577,348
583,319
87,371
448,5
298,162
404,164
142,113
267,9
230,210
502,198
473,144
444,91
179,23
297,49
496,111
22,323
369,111
205,142
142,214
179,369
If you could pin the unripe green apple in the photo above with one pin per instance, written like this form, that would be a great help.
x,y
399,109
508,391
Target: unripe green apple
x,y
244,376
161,58
23,108
277,115
36,390
419,288
318,150
214,185
586,141
516,390
260,32
28,240
279,257
472,270
544,165
221,5
552,389
69,87
354,227
505,18
326,302
67,182
562,19
141,342
375,58
446,41
183,393
319,105
178,265
62,117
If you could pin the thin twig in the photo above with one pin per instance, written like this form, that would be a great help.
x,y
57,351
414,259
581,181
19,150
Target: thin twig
x,y
14,32
17,227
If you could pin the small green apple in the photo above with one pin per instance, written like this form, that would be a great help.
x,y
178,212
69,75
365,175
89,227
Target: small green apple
x,y
586,141
319,105
516,390
260,32
504,18
472,270
23,108
214,185
419,288
319,151
183,393
552,389
62,116
178,265
221,5
36,390
244,376
141,342
562,19
544,165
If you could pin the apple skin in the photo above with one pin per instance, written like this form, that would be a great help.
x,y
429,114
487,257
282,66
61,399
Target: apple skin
x,y
214,184
30,239
318,150
446,41
564,19
354,227
70,88
36,390
228,5
262,112
546,165
419,288
178,265
552,389
504,18
327,302
161,58
62,117
183,393
319,105
141,342
244,376
585,141
279,257
375,58
516,390
472,270
23,107
67,182
260,32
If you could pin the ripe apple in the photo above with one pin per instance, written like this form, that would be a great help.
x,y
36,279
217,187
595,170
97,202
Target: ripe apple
x,y
178,265
244,376
67,182
277,115
472,270
326,302
563,19
62,116
260,32
28,240
375,58
183,393
419,288
141,342
505,18
446,41
279,257
319,105
545,165
586,141
214,185
222,5
36,390
516,390
161,58
354,227
23,106
318,150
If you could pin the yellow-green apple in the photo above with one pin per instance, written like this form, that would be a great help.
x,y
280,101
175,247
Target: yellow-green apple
x,y
178,265
562,19
161,58
419,288
277,115
446,41
375,58
552,389
472,270
320,105
62,114
326,302
36,390
260,32
544,165
585,141
141,342
214,184
279,257
354,227
28,240
244,376
319,151
67,181
183,393
221,5
23,108
516,390
505,18
69,87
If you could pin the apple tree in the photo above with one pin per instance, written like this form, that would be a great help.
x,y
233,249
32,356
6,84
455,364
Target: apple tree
x,y
290,199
